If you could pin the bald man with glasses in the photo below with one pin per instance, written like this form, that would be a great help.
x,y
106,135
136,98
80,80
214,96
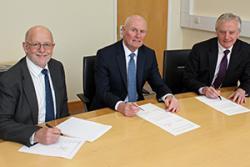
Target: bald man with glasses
x,y
32,92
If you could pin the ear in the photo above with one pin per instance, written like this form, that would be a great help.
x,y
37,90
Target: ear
x,y
25,47
122,30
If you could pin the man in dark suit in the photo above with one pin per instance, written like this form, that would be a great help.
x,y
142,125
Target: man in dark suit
x,y
220,62
117,64
23,103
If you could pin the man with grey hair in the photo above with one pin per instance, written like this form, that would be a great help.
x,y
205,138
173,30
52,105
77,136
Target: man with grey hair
x,y
222,61
33,91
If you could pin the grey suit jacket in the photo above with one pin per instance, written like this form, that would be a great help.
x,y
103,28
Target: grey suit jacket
x,y
202,61
18,102
111,75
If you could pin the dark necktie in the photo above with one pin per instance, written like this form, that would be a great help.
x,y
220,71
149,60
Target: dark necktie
x,y
131,79
222,71
50,115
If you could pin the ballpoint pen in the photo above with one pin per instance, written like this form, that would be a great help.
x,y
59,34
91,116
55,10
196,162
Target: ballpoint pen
x,y
220,97
138,106
49,126
218,89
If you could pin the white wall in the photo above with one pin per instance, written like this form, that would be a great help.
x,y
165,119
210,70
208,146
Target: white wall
x,y
80,27
211,8
175,34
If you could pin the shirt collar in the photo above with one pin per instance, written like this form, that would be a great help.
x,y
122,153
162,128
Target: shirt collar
x,y
33,68
127,51
222,49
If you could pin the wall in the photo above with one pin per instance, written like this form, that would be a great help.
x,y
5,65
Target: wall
x,y
80,27
202,8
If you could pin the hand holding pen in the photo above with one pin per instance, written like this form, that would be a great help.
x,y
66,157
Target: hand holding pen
x,y
211,92
47,135
49,126
128,109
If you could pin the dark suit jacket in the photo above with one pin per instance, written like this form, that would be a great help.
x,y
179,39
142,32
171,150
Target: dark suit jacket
x,y
111,75
202,61
18,102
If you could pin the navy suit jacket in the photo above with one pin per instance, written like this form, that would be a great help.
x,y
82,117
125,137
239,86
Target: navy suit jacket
x,y
111,75
202,61
18,102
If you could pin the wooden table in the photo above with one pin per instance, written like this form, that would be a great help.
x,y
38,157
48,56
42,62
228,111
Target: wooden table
x,y
221,141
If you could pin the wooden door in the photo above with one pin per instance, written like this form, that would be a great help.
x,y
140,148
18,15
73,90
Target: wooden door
x,y
155,13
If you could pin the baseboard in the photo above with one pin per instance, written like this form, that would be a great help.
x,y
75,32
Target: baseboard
x,y
75,107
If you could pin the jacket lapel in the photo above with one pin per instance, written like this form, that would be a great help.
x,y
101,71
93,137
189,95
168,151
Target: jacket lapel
x,y
29,91
121,61
234,59
55,80
212,56
140,67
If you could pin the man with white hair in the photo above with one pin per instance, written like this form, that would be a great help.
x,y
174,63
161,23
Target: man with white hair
x,y
220,62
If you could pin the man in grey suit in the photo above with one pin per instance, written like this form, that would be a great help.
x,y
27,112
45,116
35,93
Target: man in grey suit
x,y
220,62
123,68
23,99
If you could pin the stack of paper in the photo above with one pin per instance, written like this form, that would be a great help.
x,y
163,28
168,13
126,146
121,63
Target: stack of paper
x,y
79,131
224,105
168,121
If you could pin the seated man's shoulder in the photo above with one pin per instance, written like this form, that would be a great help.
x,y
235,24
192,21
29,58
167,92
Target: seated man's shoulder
x,y
12,75
243,44
111,47
55,62
206,43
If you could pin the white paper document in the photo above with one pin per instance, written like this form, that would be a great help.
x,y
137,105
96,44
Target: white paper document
x,y
66,147
84,129
168,121
79,131
224,105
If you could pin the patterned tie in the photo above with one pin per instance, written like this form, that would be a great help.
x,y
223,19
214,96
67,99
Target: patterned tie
x,y
50,115
131,79
222,71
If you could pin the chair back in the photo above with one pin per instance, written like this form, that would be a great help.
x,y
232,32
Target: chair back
x,y
173,68
88,79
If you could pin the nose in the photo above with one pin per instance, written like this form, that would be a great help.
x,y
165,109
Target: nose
x,y
227,35
138,34
41,49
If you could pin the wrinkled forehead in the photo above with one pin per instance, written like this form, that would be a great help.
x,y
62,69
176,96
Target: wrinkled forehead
x,y
228,25
136,22
39,34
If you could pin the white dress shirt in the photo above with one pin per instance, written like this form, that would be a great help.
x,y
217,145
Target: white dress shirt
x,y
127,53
39,84
221,50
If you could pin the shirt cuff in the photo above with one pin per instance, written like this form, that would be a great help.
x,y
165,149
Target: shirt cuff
x,y
201,90
117,104
165,96
32,139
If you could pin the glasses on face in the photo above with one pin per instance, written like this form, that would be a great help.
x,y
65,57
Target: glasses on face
x,y
38,45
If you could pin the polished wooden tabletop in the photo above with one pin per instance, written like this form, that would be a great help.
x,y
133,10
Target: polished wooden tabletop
x,y
221,141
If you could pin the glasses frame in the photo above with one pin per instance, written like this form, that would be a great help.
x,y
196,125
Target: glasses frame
x,y
38,45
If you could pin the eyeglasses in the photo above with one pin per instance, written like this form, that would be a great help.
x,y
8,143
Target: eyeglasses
x,y
39,45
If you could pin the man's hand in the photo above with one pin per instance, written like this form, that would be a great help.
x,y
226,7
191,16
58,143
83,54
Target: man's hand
x,y
238,96
47,135
171,103
128,109
211,92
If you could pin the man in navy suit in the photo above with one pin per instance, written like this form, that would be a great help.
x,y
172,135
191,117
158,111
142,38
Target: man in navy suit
x,y
204,72
22,92
112,71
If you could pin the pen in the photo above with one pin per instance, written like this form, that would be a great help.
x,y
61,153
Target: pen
x,y
138,106
217,89
49,126
220,97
